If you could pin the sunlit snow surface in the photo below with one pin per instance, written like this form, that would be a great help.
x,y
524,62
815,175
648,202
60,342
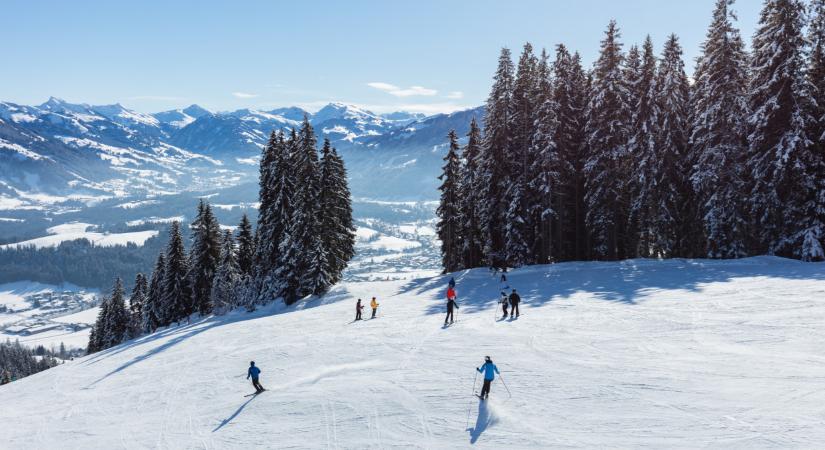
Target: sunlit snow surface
x,y
77,230
632,354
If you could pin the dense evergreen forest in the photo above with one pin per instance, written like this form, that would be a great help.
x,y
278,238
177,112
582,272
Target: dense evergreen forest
x,y
631,158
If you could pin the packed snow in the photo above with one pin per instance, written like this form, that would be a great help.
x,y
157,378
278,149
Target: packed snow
x,y
640,353
78,230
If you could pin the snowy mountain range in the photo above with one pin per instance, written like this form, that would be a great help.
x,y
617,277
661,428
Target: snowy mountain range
x,y
60,151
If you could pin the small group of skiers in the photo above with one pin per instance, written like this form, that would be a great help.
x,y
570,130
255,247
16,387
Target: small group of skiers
x,y
359,308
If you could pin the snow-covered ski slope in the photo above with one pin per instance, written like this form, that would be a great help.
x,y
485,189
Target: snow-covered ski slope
x,y
633,354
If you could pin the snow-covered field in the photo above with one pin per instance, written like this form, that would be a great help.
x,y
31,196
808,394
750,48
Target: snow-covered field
x,y
76,230
633,354
43,314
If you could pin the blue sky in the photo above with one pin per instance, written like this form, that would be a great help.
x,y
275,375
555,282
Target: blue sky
x,y
427,56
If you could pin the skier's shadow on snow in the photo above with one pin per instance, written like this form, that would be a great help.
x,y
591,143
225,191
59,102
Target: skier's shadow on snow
x,y
484,420
234,415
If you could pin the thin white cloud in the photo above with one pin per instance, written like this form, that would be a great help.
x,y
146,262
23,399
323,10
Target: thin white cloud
x,y
455,95
400,92
244,95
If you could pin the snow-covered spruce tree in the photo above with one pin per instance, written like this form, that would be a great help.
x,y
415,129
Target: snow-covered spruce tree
x,y
313,263
606,164
203,259
227,279
113,321
153,309
118,318
718,147
518,226
493,174
632,70
543,177
93,346
449,209
814,229
336,213
469,198
276,191
672,206
570,95
780,159
176,300
345,231
300,270
137,302
642,151
246,246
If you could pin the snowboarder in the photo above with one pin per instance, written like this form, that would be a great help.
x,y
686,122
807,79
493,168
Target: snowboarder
x,y
489,370
514,301
358,309
452,282
254,372
374,306
450,305
504,302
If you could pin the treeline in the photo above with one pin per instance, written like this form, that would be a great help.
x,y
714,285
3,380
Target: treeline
x,y
17,361
302,243
78,262
630,159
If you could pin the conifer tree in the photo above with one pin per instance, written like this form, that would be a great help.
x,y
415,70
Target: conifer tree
x,y
518,224
449,223
718,144
469,199
671,195
493,165
204,257
570,96
814,209
544,196
276,196
338,232
117,322
779,156
246,246
176,299
153,310
137,302
606,164
642,150
227,279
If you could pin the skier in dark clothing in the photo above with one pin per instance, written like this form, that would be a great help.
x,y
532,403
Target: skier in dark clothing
x,y
254,372
450,305
358,309
489,370
514,301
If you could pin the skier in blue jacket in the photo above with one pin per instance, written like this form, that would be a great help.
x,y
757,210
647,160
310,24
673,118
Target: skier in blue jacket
x,y
254,372
490,370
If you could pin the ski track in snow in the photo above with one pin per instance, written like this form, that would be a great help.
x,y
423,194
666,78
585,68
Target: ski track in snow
x,y
633,354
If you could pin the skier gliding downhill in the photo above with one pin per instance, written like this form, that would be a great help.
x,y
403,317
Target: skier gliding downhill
x,y
490,370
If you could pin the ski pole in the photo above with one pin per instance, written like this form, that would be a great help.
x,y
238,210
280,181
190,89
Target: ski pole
x,y
505,385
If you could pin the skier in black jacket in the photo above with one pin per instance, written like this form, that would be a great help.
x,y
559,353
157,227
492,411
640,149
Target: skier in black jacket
x,y
358,309
514,301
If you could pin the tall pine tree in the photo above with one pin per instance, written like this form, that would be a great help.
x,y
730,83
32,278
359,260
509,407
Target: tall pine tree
x,y
246,246
176,300
779,153
473,244
228,277
203,260
606,164
718,145
493,174
449,209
